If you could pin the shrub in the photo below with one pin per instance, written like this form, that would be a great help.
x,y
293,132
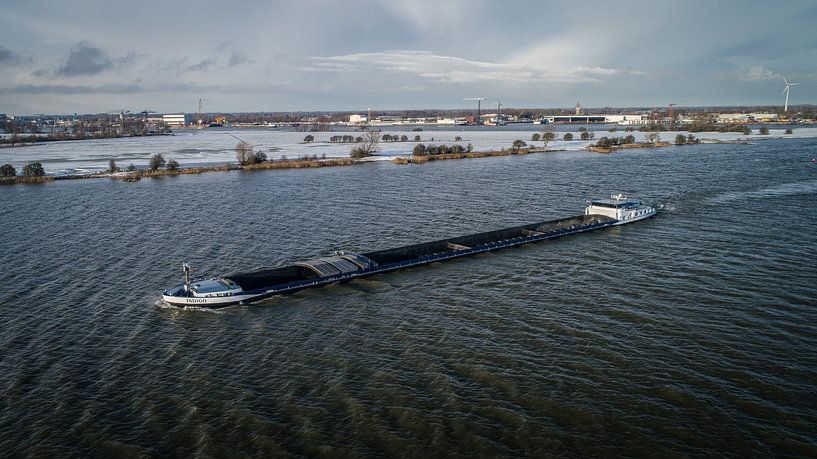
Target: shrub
x,y
604,142
260,157
469,148
112,166
310,138
172,165
518,144
7,170
34,169
680,139
157,161
245,155
568,137
404,138
416,138
535,137
764,131
419,150
457,139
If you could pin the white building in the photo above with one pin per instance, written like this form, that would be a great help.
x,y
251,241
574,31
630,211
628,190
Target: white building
x,y
452,121
627,119
733,118
747,117
174,120
358,119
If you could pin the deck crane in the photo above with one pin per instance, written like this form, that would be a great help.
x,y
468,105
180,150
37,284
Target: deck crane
x,y
479,103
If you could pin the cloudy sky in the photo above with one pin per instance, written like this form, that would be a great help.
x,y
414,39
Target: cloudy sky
x,y
84,56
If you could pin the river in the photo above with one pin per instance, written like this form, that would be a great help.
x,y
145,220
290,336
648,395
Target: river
x,y
689,334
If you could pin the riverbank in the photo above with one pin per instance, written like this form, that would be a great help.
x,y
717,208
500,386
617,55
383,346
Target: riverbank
x,y
20,179
138,174
607,150
33,139
414,159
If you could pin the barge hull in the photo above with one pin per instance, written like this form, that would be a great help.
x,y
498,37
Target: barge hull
x,y
263,284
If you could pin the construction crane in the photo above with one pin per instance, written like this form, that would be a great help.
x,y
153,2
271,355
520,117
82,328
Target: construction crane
x,y
479,103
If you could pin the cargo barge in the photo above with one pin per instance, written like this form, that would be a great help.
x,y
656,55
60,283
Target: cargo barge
x,y
243,288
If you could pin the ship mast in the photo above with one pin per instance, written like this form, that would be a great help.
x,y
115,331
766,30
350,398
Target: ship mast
x,y
187,269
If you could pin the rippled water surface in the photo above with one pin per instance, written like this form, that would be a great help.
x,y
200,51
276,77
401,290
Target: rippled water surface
x,y
690,334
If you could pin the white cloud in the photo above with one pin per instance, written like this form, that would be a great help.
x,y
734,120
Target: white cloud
x,y
757,73
452,69
606,71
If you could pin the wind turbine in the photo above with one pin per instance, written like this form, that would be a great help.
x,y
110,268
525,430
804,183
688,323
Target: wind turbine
x,y
786,92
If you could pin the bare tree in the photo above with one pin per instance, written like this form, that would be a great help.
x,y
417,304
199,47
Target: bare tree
x,y
367,147
244,154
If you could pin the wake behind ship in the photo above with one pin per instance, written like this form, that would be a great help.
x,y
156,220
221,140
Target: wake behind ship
x,y
343,266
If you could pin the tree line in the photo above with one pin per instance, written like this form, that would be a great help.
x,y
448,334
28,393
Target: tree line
x,y
432,150
33,169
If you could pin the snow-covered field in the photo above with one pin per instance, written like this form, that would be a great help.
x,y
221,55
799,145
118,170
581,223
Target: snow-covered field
x,y
214,146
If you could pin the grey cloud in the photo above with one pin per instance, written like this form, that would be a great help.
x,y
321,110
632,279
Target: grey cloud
x,y
8,57
188,87
128,59
71,89
237,58
85,59
199,66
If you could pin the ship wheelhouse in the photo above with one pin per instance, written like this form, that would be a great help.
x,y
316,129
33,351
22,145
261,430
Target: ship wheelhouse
x,y
620,208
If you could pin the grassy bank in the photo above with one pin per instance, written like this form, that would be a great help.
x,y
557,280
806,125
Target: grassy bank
x,y
474,154
138,174
625,146
22,179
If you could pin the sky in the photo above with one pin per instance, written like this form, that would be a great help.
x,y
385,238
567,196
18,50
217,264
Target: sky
x,y
93,57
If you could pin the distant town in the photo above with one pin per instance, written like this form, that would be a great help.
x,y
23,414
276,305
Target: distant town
x,y
42,127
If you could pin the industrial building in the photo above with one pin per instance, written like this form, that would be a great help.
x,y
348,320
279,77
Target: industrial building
x,y
174,120
590,119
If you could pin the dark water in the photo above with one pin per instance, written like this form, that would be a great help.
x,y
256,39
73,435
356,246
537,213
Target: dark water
x,y
690,334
